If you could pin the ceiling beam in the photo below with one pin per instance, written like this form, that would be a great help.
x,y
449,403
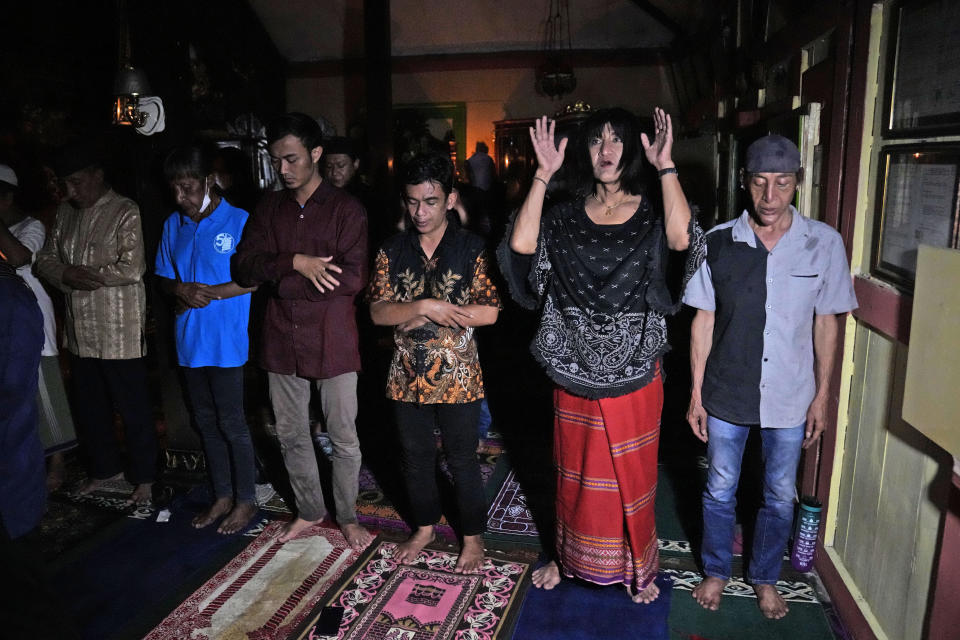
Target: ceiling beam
x,y
481,61
647,7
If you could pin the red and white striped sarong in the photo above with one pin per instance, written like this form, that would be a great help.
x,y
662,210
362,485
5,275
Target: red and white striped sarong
x,y
606,456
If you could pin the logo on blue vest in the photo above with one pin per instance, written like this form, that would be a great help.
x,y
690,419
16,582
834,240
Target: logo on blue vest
x,y
224,243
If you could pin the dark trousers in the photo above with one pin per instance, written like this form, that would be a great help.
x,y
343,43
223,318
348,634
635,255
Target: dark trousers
x,y
216,399
458,432
99,387
23,491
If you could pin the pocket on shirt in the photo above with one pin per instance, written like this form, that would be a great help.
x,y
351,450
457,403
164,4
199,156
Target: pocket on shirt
x,y
804,286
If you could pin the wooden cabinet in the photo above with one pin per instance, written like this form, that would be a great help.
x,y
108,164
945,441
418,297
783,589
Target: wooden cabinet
x,y
516,160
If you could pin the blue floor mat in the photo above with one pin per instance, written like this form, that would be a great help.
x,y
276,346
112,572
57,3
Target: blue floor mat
x,y
575,610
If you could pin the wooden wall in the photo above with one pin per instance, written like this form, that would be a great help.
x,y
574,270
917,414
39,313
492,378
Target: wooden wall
x,y
890,484
894,487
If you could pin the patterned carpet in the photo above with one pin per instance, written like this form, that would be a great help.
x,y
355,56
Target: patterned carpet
x,y
426,600
264,592
376,509
380,597
509,516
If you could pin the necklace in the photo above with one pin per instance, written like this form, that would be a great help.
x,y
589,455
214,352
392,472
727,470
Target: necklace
x,y
608,208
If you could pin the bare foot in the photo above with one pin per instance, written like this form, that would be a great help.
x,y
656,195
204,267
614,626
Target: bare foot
x,y
239,517
94,484
471,555
293,529
407,551
142,495
648,595
357,535
547,576
708,592
219,507
772,605
56,470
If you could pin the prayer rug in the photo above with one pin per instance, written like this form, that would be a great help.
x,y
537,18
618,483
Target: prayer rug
x,y
426,600
739,618
67,524
509,515
265,592
121,582
577,610
375,510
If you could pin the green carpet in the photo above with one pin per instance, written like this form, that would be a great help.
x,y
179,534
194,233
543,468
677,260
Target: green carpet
x,y
740,619
678,504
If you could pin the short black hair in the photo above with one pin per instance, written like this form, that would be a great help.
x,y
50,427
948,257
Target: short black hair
x,y
188,162
298,125
430,166
339,144
79,155
626,126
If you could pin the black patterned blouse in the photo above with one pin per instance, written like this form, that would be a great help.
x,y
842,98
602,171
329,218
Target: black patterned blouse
x,y
434,364
604,296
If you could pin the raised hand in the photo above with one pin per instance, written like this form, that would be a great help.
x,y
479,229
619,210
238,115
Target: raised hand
x,y
659,153
549,154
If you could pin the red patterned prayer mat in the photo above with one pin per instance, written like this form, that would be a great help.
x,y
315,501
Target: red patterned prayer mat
x,y
508,512
266,591
385,600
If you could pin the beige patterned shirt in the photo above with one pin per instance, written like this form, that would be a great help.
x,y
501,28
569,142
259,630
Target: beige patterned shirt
x,y
108,322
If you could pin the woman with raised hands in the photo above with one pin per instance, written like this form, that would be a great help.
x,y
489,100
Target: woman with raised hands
x,y
595,264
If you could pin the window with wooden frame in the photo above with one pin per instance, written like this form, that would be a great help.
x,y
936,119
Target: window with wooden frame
x,y
918,150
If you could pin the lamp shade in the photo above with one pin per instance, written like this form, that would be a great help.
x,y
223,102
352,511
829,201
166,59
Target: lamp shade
x,y
130,82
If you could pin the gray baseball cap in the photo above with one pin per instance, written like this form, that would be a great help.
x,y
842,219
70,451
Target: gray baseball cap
x,y
8,175
773,154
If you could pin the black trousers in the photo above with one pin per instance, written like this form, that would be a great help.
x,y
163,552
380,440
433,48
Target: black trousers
x,y
99,387
458,431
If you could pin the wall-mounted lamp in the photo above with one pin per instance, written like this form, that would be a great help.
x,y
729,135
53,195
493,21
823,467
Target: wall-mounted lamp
x,y
128,86
133,106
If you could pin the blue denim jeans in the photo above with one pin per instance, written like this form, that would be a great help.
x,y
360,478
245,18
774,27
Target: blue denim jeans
x,y
781,454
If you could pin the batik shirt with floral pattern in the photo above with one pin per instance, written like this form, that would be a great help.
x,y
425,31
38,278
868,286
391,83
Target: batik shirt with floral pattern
x,y
434,364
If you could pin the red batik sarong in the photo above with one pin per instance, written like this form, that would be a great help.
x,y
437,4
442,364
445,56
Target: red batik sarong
x,y
606,456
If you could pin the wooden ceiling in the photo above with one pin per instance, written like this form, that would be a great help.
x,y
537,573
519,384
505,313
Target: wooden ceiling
x,y
328,30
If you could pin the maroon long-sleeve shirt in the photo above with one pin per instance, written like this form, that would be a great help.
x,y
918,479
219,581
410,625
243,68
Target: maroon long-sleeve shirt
x,y
306,332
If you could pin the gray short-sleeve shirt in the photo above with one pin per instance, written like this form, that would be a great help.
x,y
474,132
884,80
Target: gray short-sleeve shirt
x,y
760,368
